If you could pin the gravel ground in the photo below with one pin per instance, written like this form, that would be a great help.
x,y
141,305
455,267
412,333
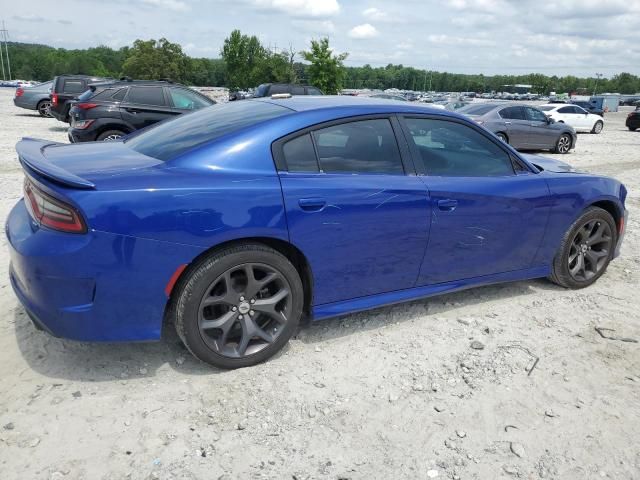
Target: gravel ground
x,y
394,393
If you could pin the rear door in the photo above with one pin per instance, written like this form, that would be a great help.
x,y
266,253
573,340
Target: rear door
x,y
517,126
354,206
540,135
489,211
145,105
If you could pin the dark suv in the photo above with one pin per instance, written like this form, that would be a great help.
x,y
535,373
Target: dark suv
x,y
65,88
109,111
588,106
268,89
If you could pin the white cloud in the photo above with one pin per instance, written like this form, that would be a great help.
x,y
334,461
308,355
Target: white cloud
x,y
366,30
374,14
444,39
29,18
301,8
175,5
316,27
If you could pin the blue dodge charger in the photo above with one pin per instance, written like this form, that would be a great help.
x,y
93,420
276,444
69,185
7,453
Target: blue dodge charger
x,y
236,221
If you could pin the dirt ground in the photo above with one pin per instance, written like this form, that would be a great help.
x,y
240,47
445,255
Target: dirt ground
x,y
390,394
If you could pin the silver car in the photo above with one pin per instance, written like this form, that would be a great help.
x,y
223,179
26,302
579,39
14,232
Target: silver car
x,y
35,98
522,126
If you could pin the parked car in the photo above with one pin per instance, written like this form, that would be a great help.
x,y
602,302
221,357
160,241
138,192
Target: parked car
x,y
589,107
65,88
580,119
522,126
109,111
633,120
268,89
219,221
456,105
34,98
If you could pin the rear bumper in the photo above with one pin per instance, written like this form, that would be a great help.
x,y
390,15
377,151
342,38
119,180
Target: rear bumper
x,y
59,115
91,287
78,136
22,103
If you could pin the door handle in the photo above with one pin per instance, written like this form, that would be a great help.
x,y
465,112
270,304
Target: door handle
x,y
507,123
447,205
312,204
132,110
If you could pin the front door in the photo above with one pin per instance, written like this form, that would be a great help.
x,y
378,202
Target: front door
x,y
488,211
144,106
354,209
540,135
517,126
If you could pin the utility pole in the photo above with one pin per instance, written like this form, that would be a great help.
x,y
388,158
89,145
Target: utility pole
x,y
6,48
595,88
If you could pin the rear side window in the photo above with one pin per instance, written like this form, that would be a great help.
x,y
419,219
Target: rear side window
x,y
146,96
300,154
565,110
73,86
168,140
450,149
366,146
513,113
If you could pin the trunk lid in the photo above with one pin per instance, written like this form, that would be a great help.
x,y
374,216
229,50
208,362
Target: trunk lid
x,y
81,165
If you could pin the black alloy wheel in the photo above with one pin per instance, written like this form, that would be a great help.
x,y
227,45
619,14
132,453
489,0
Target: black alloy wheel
x,y
238,306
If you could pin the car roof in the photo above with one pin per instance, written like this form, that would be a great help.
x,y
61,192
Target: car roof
x,y
301,103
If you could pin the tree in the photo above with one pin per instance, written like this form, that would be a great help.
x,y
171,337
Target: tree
x,y
326,70
153,60
244,58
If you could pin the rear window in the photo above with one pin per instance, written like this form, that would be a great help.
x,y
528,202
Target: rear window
x,y
546,108
73,86
477,109
171,139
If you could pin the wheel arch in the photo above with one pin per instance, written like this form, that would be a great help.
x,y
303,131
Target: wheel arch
x,y
290,251
612,208
113,126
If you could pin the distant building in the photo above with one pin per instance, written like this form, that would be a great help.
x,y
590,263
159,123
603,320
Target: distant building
x,y
517,88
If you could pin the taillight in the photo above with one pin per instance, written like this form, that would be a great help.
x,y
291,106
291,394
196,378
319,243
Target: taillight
x,y
86,106
54,99
51,212
19,92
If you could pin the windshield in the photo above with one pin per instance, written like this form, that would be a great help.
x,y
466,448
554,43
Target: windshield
x,y
171,139
477,109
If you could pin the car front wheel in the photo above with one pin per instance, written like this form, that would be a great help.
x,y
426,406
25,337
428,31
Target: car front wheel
x,y
563,145
597,127
239,306
586,249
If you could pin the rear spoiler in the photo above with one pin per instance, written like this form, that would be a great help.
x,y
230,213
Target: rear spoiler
x,y
31,156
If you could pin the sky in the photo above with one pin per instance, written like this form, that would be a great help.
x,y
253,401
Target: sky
x,y
554,37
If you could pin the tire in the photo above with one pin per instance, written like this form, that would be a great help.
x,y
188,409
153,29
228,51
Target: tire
x,y
221,327
566,263
632,129
563,145
44,108
597,127
110,135
502,137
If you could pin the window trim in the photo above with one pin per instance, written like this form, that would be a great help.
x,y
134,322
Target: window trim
x,y
419,166
403,147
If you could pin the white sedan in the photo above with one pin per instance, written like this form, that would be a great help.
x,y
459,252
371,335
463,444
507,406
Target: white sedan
x,y
575,116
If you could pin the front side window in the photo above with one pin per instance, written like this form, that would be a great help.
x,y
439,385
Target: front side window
x,y
313,91
365,146
535,115
187,100
450,149
146,96
278,89
297,90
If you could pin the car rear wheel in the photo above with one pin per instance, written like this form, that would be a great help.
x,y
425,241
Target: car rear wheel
x,y
110,135
239,306
586,249
502,137
44,108
597,127
563,145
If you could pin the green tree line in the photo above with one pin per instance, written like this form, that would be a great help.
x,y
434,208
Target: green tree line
x,y
245,63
